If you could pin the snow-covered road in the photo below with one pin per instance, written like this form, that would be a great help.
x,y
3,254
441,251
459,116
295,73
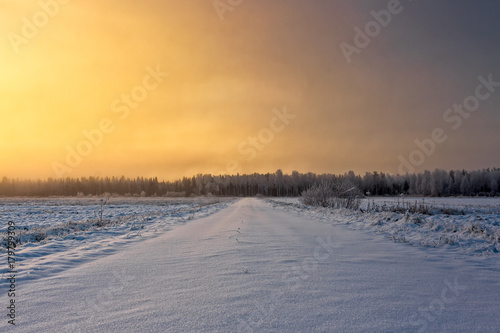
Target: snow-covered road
x,y
252,268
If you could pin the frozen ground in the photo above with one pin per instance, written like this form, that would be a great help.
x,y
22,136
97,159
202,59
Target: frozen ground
x,y
57,233
470,205
472,226
259,266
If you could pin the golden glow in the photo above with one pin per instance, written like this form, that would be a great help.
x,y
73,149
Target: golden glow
x,y
64,80
225,79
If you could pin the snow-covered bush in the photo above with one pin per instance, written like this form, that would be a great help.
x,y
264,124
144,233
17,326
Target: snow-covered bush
x,y
338,193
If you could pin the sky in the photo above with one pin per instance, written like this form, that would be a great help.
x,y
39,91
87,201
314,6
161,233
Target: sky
x,y
174,88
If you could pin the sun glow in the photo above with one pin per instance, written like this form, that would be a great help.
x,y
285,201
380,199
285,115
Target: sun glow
x,y
79,78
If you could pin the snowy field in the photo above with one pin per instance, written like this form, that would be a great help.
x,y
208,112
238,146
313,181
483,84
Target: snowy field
x,y
57,233
248,265
470,205
467,225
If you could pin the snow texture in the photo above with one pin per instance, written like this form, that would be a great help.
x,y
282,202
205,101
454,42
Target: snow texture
x,y
255,266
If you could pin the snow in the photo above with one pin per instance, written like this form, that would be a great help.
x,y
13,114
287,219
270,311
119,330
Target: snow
x,y
57,233
469,205
475,230
259,266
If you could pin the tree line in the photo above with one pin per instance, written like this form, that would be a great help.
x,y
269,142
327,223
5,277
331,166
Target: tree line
x,y
483,182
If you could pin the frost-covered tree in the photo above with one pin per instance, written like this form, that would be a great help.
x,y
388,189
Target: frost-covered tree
x,y
465,188
436,183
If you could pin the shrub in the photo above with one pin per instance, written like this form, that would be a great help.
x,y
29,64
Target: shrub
x,y
417,207
333,194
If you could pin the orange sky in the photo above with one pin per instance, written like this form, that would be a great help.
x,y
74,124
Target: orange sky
x,y
220,107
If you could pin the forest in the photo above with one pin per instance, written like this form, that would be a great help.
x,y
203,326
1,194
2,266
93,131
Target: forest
x,y
437,183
